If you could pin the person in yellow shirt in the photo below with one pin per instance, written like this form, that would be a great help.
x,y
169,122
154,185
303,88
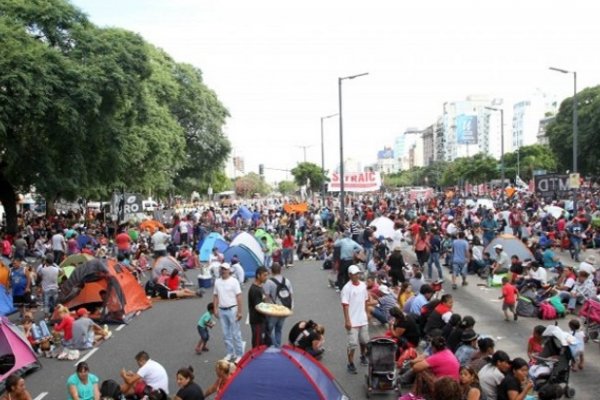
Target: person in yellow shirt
x,y
405,293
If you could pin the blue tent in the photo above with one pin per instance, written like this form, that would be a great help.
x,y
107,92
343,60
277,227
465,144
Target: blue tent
x,y
6,303
247,258
243,213
214,239
269,373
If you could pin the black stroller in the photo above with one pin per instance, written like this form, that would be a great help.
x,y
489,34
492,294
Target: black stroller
x,y
553,364
382,375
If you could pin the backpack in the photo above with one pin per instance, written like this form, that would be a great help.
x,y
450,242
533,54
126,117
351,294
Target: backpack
x,y
526,307
547,311
283,293
556,302
110,389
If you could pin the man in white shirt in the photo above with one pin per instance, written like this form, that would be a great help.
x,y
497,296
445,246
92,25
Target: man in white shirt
x,y
227,300
150,372
48,273
355,297
159,242
59,246
501,264
588,265
492,374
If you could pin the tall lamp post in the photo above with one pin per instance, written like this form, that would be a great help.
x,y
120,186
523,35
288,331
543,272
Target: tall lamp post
x,y
575,133
342,200
323,156
501,149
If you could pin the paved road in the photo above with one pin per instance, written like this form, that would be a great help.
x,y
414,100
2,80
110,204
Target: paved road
x,y
167,332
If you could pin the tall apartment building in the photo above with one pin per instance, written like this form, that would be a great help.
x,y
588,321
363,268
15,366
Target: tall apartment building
x,y
527,115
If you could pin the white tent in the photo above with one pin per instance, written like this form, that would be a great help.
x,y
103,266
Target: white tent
x,y
385,227
250,242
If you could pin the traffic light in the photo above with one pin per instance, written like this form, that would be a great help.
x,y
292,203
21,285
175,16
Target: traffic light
x,y
261,169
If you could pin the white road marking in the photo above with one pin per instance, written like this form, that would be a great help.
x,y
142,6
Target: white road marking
x,y
41,396
88,355
120,327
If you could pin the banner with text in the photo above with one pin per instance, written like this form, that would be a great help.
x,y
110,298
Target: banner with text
x,y
552,186
355,182
466,129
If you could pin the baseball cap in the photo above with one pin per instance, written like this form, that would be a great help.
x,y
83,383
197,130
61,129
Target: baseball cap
x,y
499,246
353,269
384,289
82,312
225,266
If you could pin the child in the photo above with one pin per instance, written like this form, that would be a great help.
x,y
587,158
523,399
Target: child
x,y
204,323
509,295
578,348
534,344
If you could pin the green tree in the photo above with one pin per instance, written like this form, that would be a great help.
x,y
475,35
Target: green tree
x,y
248,185
529,159
307,171
287,187
560,132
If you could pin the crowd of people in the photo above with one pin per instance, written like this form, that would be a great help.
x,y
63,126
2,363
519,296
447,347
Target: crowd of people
x,y
376,284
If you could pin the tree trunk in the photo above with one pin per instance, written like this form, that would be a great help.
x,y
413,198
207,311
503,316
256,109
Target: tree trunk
x,y
8,198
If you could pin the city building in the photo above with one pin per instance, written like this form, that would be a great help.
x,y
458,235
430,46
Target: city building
x,y
386,161
428,145
438,140
542,137
403,145
527,115
235,167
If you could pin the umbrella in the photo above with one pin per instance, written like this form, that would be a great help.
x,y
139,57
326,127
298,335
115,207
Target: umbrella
x,y
555,211
385,227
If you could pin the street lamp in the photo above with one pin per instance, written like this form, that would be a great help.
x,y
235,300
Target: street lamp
x,y
501,148
323,156
304,149
518,162
342,200
575,133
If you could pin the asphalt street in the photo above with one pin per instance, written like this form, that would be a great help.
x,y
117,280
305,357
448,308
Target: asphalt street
x,y
168,333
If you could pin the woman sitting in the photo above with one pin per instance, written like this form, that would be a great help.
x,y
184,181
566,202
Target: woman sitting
x,y
15,389
169,285
404,329
442,363
308,336
83,385
224,369
64,328
516,384
469,384
188,389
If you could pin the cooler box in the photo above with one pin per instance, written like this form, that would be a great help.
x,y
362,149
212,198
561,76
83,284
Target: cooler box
x,y
205,281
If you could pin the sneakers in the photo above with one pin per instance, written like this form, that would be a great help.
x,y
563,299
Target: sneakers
x,y
352,369
229,357
363,361
516,317
454,286
236,360
465,283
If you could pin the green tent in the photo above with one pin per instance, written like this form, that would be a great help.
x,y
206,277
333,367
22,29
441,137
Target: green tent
x,y
271,243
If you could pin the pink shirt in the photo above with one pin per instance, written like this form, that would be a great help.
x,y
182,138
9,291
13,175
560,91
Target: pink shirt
x,y
444,363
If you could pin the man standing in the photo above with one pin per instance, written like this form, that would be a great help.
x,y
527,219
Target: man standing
x,y
348,249
20,284
48,274
227,300
460,258
59,246
279,290
515,219
355,298
159,242
258,321
489,227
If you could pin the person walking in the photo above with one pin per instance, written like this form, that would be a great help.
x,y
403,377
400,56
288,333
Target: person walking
x,y
48,274
227,300
258,321
279,291
460,258
355,297
347,249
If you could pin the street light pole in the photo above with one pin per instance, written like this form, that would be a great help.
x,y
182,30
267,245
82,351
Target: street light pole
x,y
304,150
518,162
323,156
501,149
575,127
342,200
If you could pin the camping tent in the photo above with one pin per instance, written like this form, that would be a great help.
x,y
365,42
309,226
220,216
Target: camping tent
x,y
213,240
261,233
267,373
512,246
166,262
385,227
76,260
124,295
6,302
250,242
243,213
247,259
16,354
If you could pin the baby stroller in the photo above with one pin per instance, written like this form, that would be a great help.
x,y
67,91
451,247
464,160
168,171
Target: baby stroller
x,y
381,374
553,364
590,312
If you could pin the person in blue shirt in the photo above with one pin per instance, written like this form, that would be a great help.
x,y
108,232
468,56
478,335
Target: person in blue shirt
x,y
489,227
83,385
348,250
549,258
20,284
460,258
417,302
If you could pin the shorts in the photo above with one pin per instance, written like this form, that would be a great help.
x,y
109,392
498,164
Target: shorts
x,y
21,300
506,306
459,269
357,335
203,332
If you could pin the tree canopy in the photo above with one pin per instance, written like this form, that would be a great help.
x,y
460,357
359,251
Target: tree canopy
x,y
309,172
85,110
560,132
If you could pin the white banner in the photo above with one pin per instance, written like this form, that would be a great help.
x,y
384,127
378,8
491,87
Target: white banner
x,y
355,182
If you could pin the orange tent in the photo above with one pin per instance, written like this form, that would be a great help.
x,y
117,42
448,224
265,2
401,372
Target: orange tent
x,y
295,208
122,296
151,225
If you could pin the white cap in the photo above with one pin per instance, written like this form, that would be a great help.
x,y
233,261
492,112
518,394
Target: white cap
x,y
384,289
353,269
450,218
225,266
499,246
